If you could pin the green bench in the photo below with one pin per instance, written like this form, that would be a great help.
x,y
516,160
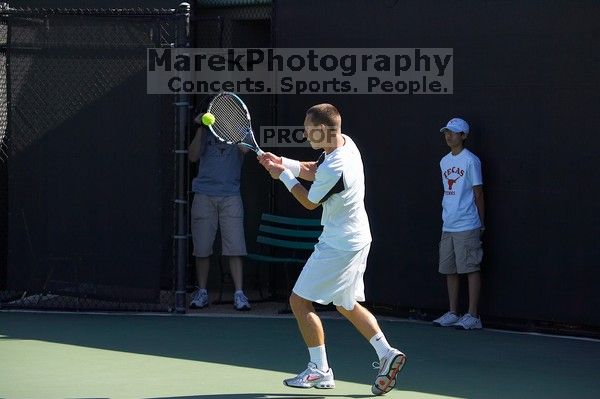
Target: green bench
x,y
285,241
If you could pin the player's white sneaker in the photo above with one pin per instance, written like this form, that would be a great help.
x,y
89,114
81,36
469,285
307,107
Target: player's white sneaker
x,y
389,366
199,299
446,320
312,377
468,322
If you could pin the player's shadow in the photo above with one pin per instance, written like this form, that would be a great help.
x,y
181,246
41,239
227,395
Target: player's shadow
x,y
263,396
256,396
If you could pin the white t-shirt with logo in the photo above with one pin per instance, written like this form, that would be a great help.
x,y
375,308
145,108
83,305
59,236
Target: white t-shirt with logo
x,y
459,174
339,186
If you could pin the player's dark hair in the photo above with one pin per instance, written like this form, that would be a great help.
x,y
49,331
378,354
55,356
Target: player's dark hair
x,y
324,114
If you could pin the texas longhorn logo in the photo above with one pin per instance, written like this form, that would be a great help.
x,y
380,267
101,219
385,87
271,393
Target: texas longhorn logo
x,y
451,182
453,171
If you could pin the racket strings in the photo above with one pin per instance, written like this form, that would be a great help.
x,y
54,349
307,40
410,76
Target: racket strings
x,y
230,129
224,126
239,116
231,121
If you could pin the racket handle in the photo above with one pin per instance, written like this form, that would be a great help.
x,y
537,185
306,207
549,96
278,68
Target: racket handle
x,y
259,152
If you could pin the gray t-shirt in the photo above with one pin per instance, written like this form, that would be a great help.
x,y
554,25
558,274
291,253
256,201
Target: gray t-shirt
x,y
219,168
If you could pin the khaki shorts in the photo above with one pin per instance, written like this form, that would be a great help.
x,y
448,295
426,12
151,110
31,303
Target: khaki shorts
x,y
460,252
208,213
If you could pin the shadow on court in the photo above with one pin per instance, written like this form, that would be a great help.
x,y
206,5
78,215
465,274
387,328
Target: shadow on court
x,y
264,396
457,364
253,396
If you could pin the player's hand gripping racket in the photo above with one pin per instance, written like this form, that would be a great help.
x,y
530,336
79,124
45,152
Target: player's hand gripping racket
x,y
232,121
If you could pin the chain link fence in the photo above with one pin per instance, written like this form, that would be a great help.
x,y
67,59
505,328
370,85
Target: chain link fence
x,y
63,72
3,149
3,91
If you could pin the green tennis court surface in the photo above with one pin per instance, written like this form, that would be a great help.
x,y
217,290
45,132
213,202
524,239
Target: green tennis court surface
x,y
45,355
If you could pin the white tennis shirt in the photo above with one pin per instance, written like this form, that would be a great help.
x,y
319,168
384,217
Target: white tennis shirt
x,y
339,186
459,174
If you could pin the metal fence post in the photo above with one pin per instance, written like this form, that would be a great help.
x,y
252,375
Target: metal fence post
x,y
182,102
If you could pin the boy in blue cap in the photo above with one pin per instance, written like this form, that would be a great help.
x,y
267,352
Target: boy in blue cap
x,y
463,212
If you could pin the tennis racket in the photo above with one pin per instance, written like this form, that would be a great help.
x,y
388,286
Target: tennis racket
x,y
232,121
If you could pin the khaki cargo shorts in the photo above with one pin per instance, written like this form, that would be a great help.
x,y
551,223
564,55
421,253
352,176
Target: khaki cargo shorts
x,y
209,213
460,252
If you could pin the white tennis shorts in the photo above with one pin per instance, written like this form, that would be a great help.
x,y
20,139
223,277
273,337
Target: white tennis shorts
x,y
332,275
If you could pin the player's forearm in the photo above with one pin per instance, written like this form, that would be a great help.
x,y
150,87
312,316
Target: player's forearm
x,y
301,195
308,170
303,170
297,189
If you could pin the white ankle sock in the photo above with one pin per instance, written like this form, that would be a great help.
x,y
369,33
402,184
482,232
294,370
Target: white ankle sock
x,y
318,356
380,344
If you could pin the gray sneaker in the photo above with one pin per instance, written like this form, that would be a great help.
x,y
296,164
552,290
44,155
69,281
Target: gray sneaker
x,y
312,377
240,302
446,320
199,299
389,366
468,322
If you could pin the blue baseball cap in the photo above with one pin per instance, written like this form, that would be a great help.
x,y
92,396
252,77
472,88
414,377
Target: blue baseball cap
x,y
456,125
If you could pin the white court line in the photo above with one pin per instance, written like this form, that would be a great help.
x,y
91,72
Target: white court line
x,y
287,316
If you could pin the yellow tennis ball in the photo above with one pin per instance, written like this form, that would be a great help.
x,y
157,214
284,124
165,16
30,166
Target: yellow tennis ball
x,y
208,119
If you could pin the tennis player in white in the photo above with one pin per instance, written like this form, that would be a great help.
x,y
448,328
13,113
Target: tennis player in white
x,y
334,271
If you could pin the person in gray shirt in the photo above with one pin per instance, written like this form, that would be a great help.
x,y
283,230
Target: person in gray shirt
x,y
217,203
